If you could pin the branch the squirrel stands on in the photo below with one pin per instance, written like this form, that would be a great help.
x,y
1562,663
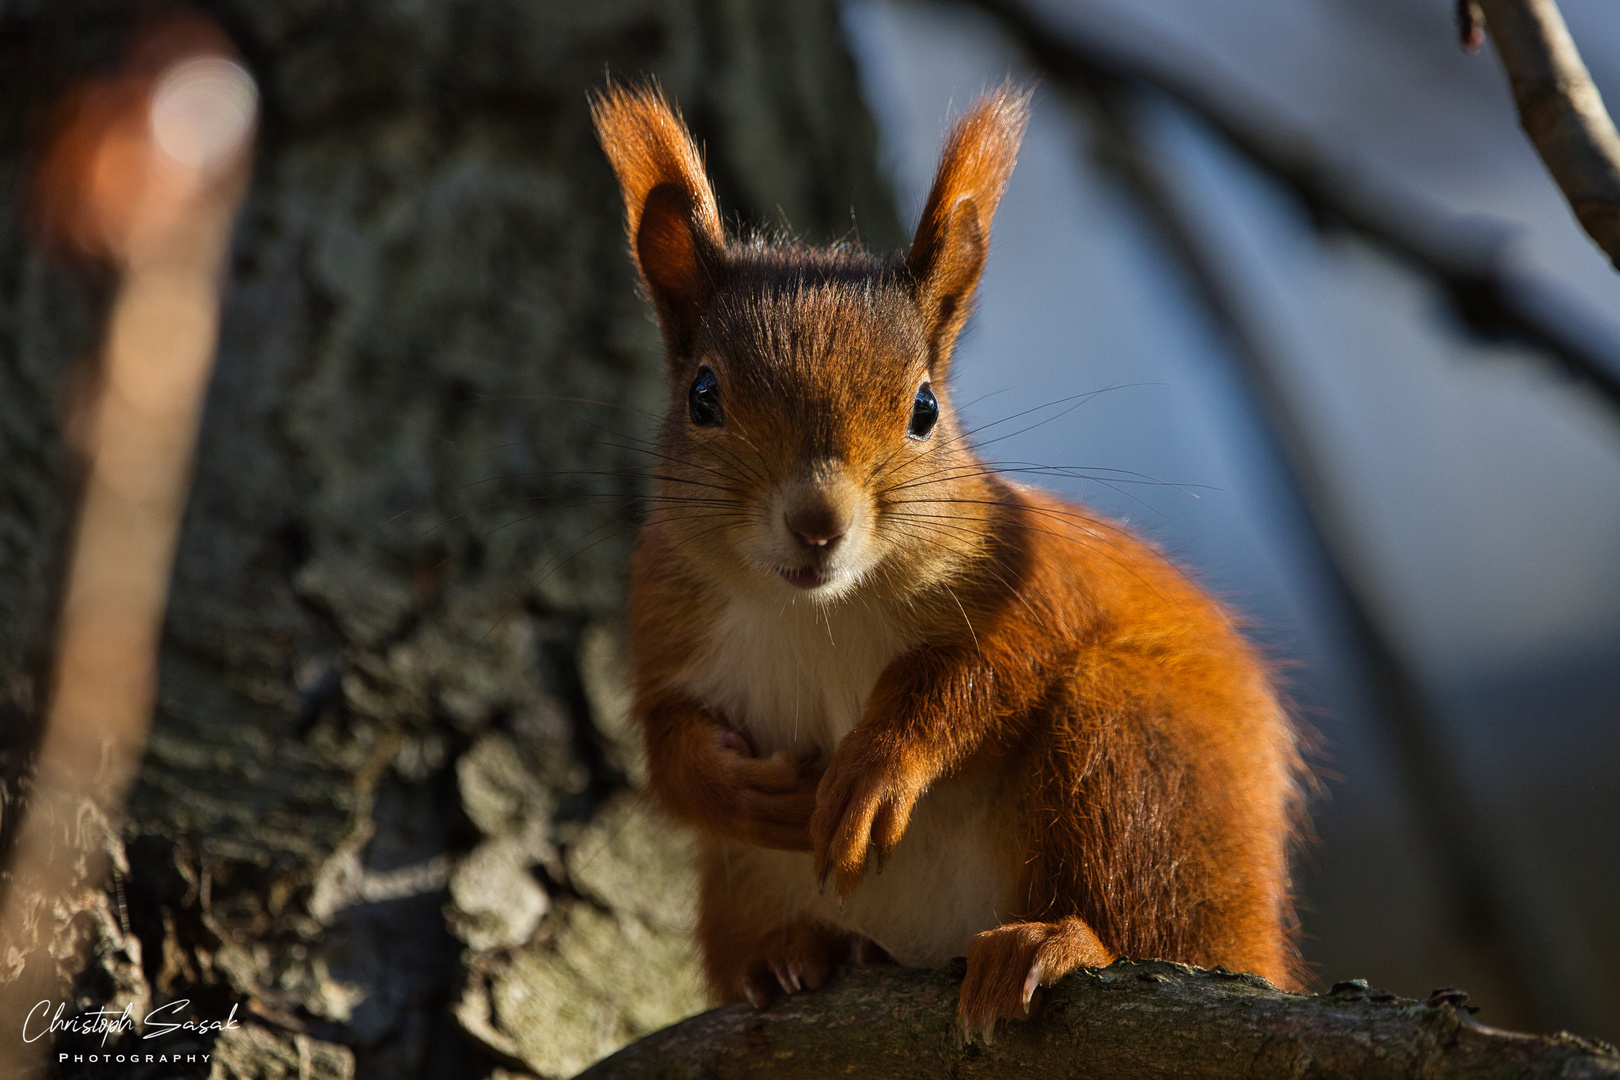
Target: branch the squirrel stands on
x,y
1134,1020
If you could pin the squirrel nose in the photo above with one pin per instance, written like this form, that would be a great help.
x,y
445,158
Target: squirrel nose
x,y
821,527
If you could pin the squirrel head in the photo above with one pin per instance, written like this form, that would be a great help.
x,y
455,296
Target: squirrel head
x,y
810,444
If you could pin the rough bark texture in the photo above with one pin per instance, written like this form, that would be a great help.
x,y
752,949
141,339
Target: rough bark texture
x,y
388,803
1134,1021
1562,111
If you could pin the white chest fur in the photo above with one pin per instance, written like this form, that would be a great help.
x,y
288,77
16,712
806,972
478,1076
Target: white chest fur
x,y
797,675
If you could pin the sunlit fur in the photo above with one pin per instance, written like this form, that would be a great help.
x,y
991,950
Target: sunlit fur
x,y
1055,748
818,361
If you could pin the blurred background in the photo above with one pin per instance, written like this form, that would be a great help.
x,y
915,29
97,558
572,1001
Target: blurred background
x,y
1280,283
1280,391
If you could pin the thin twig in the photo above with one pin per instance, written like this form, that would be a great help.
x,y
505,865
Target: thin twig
x,y
1562,111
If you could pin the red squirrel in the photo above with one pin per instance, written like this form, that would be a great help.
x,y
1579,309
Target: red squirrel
x,y
994,723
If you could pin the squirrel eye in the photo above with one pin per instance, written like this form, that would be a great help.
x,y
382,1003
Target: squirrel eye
x,y
924,413
703,401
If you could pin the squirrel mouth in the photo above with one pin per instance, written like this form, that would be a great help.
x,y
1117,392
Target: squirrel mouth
x,y
803,579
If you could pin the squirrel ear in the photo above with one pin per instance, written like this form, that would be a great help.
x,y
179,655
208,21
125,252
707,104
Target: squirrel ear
x,y
670,210
947,255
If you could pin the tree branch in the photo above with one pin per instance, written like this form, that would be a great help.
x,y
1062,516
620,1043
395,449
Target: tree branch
x,y
1488,297
1561,111
1133,1020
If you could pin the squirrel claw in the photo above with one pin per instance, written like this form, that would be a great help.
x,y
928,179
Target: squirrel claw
x,y
980,1029
756,996
1032,982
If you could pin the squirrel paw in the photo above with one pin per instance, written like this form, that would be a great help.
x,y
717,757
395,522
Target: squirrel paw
x,y
790,960
862,808
768,801
1007,967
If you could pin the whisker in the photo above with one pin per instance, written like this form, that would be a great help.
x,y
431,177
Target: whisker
x,y
1076,472
1089,538
985,566
1073,401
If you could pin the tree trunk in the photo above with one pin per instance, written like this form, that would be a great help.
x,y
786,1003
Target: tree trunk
x,y
388,807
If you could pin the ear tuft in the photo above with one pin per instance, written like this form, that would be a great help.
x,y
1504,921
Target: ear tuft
x,y
670,210
947,255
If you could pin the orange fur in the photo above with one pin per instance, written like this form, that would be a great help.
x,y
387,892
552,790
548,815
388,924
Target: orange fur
x,y
859,648
648,145
953,237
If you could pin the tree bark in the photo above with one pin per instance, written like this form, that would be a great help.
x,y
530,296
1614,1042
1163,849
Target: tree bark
x,y
387,809
1133,1020
1562,111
